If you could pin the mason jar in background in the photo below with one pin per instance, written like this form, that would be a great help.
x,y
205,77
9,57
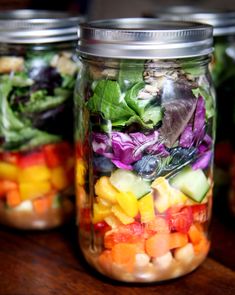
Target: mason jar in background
x,y
144,131
223,74
38,68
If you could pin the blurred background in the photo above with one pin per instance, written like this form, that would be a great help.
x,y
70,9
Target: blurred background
x,y
99,9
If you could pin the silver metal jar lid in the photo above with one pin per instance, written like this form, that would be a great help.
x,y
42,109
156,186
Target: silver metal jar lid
x,y
141,38
38,26
223,21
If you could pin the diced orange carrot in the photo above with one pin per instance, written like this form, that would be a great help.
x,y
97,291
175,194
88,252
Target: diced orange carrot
x,y
105,261
42,204
177,240
5,186
124,254
13,197
202,247
160,244
157,225
157,245
195,233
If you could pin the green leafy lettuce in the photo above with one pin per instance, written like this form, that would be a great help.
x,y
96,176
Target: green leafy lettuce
x,y
121,109
14,129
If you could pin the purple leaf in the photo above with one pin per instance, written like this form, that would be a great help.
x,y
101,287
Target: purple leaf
x,y
186,138
177,114
199,119
203,161
102,144
122,165
124,148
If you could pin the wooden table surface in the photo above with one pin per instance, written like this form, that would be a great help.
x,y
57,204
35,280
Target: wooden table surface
x,y
44,263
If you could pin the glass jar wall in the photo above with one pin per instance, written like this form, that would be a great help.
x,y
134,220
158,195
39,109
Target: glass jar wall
x,y
223,74
144,148
37,76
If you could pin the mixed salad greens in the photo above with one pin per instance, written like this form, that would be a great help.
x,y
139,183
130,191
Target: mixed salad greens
x,y
144,165
36,123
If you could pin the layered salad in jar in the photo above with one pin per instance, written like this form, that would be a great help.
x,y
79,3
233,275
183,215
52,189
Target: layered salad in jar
x,y
144,167
36,153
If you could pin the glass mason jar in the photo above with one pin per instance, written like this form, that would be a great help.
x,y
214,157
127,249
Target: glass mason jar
x,y
38,69
223,74
144,109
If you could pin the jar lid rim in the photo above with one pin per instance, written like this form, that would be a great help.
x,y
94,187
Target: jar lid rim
x,y
223,20
28,26
144,37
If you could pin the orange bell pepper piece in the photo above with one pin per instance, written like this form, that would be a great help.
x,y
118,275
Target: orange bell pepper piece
x,y
13,198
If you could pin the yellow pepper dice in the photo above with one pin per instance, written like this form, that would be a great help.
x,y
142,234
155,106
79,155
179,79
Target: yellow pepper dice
x,y
8,171
59,178
105,190
128,202
31,190
80,171
146,208
166,196
100,212
34,173
121,215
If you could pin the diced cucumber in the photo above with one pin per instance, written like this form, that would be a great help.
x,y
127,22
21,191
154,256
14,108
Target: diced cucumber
x,y
193,183
127,181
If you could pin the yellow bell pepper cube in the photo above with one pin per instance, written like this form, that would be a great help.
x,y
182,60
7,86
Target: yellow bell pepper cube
x,y
177,197
146,208
59,178
8,171
166,196
105,190
128,202
80,171
100,212
31,190
121,215
34,173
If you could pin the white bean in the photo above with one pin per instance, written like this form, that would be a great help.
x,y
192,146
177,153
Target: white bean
x,y
185,254
163,261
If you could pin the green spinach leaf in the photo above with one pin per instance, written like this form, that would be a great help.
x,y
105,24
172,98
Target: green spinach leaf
x,y
108,100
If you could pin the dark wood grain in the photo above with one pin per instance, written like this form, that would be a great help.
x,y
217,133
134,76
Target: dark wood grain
x,y
44,263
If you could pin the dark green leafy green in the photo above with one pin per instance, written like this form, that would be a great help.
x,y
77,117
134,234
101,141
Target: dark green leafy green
x,y
39,101
108,100
68,81
131,97
152,115
8,120
121,110
17,80
17,132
